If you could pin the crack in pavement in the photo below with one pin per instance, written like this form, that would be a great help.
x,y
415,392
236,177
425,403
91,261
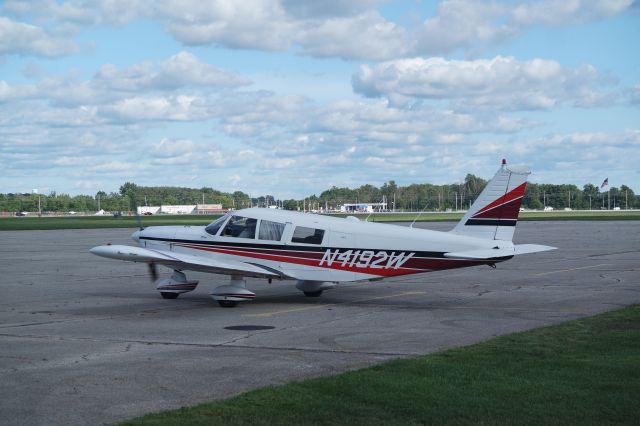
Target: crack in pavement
x,y
213,345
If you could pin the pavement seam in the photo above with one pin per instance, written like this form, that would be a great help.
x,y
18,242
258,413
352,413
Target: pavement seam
x,y
212,345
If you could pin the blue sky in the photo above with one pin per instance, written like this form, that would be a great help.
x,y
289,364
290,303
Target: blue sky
x,y
291,97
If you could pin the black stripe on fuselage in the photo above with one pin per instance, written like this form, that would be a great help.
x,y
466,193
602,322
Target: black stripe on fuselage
x,y
491,222
283,247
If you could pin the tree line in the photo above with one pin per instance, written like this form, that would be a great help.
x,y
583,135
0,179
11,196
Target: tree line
x,y
460,196
414,197
126,200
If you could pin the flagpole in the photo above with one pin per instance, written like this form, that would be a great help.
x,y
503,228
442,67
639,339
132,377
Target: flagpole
x,y
605,182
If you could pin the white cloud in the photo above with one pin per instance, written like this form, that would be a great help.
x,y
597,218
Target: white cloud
x,y
468,23
8,92
280,163
365,36
634,95
326,8
184,68
177,108
557,13
254,24
595,154
180,70
81,12
503,83
172,148
116,167
347,29
20,38
180,88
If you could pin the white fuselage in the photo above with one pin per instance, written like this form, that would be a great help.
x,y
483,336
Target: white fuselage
x,y
340,249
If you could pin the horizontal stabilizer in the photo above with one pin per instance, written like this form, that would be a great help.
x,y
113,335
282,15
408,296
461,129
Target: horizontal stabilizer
x,y
482,254
531,248
498,253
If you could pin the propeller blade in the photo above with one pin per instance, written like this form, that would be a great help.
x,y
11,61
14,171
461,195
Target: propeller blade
x,y
153,271
139,220
134,206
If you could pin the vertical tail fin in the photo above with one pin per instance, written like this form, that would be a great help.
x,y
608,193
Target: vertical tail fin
x,y
495,212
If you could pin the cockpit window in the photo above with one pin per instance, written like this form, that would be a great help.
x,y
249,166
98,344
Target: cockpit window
x,y
270,230
240,227
214,226
307,235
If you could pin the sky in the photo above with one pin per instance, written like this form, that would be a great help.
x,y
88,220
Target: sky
x,y
291,97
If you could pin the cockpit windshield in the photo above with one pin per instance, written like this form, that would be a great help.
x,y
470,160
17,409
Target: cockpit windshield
x,y
215,226
240,227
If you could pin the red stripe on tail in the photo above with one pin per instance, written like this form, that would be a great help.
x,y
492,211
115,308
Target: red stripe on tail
x,y
505,207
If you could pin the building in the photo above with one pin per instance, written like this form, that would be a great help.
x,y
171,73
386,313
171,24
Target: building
x,y
363,208
186,209
145,210
209,209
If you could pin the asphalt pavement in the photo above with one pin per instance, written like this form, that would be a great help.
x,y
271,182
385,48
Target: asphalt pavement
x,y
86,340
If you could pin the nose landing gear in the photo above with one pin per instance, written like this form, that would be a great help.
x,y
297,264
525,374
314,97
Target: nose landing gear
x,y
171,288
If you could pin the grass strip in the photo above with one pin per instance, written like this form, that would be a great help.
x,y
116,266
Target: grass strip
x,y
92,222
581,372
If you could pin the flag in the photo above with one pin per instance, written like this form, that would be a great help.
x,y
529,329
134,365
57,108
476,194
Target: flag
x,y
604,183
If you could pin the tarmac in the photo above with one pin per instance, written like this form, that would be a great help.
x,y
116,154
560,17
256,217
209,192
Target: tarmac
x,y
86,340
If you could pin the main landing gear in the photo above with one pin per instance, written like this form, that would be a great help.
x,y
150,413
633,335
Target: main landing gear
x,y
233,293
314,288
227,296
236,291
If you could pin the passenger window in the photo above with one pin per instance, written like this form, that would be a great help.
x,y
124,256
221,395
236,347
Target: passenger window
x,y
307,235
270,230
240,227
214,227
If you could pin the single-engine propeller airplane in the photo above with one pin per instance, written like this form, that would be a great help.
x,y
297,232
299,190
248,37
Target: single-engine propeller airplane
x,y
320,251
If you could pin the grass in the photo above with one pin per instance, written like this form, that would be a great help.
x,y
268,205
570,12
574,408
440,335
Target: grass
x,y
89,222
581,372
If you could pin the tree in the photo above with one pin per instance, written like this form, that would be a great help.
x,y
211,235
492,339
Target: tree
x,y
590,193
630,199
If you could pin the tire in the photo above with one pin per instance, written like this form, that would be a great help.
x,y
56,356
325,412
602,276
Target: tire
x,y
227,303
169,295
313,293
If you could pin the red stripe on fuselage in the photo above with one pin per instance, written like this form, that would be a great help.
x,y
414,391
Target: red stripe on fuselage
x,y
411,266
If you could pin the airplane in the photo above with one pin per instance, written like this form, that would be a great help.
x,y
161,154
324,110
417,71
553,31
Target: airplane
x,y
319,251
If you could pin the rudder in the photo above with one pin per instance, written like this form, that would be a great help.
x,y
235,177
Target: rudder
x,y
494,214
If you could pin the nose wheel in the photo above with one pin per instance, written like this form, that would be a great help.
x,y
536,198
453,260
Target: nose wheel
x,y
171,288
167,295
227,303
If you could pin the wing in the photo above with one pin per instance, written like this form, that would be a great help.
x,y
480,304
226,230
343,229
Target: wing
x,y
210,264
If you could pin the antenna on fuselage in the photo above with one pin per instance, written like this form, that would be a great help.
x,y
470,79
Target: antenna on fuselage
x,y
418,215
